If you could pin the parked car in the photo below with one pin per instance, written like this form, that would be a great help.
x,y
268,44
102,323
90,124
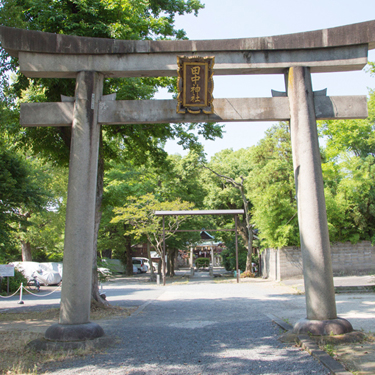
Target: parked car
x,y
136,269
147,263
140,264
47,273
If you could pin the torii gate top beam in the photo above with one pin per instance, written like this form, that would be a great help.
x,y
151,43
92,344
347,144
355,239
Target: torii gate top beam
x,y
63,56
16,40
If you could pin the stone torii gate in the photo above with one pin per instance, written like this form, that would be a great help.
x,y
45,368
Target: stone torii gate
x,y
89,60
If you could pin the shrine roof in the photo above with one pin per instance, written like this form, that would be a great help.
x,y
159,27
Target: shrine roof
x,y
15,40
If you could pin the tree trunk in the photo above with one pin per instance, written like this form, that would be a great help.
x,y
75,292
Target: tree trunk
x,y
129,256
95,295
247,236
152,277
168,262
26,251
171,260
249,260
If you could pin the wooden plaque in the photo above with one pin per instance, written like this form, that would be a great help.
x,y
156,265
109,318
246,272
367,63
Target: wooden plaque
x,y
195,84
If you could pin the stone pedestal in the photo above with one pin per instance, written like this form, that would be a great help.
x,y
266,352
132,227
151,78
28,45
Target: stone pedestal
x,y
74,322
312,217
336,326
74,332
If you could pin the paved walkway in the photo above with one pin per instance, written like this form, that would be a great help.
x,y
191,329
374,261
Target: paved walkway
x,y
201,327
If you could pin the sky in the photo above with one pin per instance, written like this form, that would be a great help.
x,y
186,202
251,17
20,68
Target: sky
x,y
223,19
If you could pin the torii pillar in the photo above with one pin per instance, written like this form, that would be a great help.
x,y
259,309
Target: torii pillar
x,y
74,323
312,217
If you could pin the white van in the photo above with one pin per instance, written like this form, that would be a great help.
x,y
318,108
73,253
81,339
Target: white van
x,y
140,264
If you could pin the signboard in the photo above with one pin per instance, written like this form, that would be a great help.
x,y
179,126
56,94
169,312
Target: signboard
x,y
6,270
195,84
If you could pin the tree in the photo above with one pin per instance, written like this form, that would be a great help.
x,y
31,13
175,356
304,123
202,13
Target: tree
x,y
355,137
42,235
272,190
139,212
122,180
348,172
226,189
21,194
239,184
109,19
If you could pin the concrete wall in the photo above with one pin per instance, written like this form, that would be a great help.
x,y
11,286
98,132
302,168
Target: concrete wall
x,y
347,259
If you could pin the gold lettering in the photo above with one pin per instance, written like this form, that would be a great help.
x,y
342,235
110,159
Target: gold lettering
x,y
195,89
195,93
195,70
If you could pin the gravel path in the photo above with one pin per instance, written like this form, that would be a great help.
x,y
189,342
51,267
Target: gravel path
x,y
197,329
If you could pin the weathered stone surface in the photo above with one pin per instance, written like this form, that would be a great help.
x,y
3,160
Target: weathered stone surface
x,y
47,114
336,326
232,62
80,212
74,332
340,107
40,345
14,40
162,111
347,259
312,216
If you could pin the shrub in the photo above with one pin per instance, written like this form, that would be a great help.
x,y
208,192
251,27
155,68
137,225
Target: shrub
x,y
247,274
202,262
14,283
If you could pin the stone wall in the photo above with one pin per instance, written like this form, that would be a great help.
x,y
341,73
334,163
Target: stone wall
x,y
347,259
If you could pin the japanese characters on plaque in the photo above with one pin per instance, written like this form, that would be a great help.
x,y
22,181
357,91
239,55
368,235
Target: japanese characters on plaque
x,y
195,84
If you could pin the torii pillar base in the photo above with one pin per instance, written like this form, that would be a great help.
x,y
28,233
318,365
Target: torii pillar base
x,y
74,332
337,326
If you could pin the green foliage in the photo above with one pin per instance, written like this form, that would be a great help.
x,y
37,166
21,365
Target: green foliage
x,y
272,191
219,193
202,262
229,256
225,187
139,212
14,283
348,172
19,193
176,178
352,137
131,19
351,201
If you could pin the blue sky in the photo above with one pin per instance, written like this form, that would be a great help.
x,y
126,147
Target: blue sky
x,y
247,18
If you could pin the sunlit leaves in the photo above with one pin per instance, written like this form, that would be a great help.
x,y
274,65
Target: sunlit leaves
x,y
139,212
271,189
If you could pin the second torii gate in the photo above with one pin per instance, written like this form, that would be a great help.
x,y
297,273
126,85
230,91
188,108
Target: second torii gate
x,y
89,60
235,213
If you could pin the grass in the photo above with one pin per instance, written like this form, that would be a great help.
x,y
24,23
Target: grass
x,y
16,358
329,349
348,348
